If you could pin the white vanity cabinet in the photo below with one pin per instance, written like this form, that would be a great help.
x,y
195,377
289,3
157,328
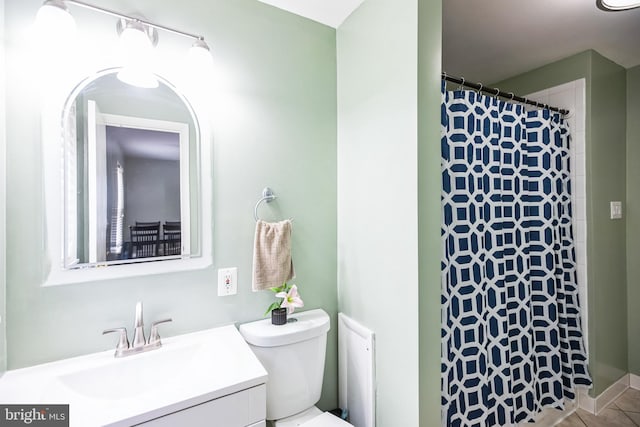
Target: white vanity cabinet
x,y
208,378
246,408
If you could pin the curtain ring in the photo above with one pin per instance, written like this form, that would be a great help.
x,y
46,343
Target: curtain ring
x,y
497,92
479,89
512,96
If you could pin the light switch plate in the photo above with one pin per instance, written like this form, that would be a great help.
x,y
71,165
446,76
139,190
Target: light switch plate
x,y
227,281
616,210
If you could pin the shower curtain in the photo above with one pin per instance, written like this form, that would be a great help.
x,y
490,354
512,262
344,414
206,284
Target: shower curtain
x,y
511,336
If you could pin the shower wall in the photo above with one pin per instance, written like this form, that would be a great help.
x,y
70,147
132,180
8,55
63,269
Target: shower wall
x,y
571,96
605,150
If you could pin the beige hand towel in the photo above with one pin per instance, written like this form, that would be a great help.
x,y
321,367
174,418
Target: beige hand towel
x,y
272,263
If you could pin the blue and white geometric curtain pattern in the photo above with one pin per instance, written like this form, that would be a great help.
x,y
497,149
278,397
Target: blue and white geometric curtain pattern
x,y
511,336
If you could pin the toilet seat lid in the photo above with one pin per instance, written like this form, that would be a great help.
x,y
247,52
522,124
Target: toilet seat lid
x,y
326,419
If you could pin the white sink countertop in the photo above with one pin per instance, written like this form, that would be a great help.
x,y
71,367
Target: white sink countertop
x,y
106,391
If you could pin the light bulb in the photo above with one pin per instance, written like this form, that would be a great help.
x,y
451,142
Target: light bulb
x,y
200,55
134,41
54,23
137,50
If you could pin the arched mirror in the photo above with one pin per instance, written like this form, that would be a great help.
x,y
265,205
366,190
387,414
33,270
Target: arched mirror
x,y
131,158
131,179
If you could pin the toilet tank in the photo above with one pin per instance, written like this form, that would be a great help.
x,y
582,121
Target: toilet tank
x,y
293,355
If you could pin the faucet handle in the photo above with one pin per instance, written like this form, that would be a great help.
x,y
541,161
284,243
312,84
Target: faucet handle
x,y
154,336
123,341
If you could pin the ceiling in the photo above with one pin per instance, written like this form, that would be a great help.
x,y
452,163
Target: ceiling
x,y
490,40
327,12
146,143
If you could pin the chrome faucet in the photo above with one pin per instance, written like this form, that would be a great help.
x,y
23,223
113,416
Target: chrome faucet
x,y
138,328
139,344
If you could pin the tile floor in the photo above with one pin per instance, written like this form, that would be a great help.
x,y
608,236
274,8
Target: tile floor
x,y
623,412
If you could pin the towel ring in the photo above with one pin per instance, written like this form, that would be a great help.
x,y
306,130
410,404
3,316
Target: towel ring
x,y
267,196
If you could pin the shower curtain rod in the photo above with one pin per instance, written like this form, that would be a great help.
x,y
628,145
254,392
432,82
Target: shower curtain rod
x,y
497,92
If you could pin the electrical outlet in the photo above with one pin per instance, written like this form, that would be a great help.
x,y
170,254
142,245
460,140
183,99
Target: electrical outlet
x,y
227,281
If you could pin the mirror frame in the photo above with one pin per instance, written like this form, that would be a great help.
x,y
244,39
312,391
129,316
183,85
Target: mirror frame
x,y
53,158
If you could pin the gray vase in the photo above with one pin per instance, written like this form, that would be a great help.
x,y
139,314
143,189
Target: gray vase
x,y
279,316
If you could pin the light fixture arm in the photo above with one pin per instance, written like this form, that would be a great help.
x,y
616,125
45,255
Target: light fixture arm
x,y
133,18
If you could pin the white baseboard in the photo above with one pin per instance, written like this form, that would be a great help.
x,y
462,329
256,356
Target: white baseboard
x,y
586,402
595,405
551,417
634,381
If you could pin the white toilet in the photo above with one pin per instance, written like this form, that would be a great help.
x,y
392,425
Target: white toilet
x,y
293,355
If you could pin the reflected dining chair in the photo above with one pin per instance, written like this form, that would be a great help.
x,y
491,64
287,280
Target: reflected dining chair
x,y
172,238
145,239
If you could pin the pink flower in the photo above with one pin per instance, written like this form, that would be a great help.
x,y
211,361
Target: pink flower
x,y
291,299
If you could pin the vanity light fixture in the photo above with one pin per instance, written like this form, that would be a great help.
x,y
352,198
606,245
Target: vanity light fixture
x,y
617,5
137,36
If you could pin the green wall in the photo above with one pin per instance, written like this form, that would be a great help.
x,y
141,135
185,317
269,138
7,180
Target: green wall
x,y
388,116
3,352
606,181
606,239
277,127
377,194
429,208
632,212
279,130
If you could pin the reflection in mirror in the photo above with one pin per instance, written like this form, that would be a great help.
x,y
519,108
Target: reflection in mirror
x,y
130,174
